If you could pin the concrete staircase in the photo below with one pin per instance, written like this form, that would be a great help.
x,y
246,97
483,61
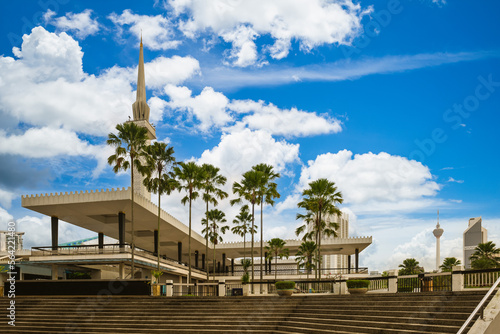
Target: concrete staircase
x,y
372,313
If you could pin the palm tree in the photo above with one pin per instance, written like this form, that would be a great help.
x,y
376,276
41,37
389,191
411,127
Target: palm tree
x,y
243,227
276,249
213,228
267,192
128,144
189,176
157,167
320,200
248,190
485,256
410,267
210,179
449,263
305,255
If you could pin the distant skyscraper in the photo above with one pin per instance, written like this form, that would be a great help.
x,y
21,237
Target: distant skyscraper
x,y
473,235
438,232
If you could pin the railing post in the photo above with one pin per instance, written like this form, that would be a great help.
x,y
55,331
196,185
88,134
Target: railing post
x,y
222,288
457,278
392,281
169,288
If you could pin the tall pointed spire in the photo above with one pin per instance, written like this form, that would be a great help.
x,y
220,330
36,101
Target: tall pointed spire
x,y
140,106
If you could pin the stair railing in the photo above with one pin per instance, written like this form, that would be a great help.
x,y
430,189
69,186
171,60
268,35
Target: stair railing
x,y
480,307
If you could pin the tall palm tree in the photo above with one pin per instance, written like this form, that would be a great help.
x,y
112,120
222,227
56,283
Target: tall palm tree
x,y
410,267
159,177
189,176
449,263
210,180
305,255
128,144
276,249
243,227
267,192
320,199
214,229
485,256
248,190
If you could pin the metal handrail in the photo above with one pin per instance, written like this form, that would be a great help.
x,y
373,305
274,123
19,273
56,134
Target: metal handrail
x,y
480,306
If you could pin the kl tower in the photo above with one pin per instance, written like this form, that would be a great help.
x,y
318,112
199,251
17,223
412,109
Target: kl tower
x,y
438,232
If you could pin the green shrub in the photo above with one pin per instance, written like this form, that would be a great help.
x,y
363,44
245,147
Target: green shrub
x,y
285,285
357,284
245,278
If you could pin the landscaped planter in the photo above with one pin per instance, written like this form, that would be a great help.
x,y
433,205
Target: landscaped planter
x,y
357,287
156,289
285,288
357,291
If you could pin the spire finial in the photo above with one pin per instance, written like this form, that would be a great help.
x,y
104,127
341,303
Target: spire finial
x,y
140,107
141,37
438,219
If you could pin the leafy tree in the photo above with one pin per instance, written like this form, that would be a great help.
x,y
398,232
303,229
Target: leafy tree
x,y
128,144
189,176
410,267
245,264
267,192
210,180
248,190
243,226
159,177
319,201
214,229
485,256
305,256
276,249
449,263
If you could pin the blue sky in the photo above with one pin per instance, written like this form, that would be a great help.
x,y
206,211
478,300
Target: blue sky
x,y
395,101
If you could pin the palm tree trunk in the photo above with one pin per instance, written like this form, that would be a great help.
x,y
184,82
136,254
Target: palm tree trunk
x,y
276,267
206,245
261,239
158,239
132,244
319,246
189,246
215,242
244,247
253,227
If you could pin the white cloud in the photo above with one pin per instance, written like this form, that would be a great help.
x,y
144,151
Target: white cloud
x,y
175,70
450,179
311,23
209,107
6,198
81,24
157,32
283,122
374,182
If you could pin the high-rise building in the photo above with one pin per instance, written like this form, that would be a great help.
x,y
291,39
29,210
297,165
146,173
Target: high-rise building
x,y
473,235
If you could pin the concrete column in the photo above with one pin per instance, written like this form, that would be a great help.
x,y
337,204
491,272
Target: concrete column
x,y
179,251
356,259
348,264
265,263
55,272
222,288
170,288
54,222
218,267
203,261
392,283
196,253
223,262
121,230
101,242
232,266
457,279
156,242
121,269
343,288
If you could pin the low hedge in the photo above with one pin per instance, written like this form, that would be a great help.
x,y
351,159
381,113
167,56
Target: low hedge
x,y
285,285
357,284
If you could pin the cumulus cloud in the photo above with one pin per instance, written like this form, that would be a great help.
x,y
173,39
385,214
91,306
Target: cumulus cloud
x,y
6,198
283,122
81,24
311,23
157,32
213,109
374,182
